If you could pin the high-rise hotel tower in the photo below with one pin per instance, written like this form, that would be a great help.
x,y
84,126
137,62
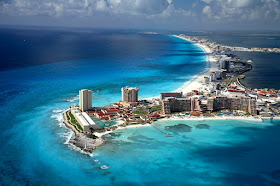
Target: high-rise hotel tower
x,y
85,99
130,94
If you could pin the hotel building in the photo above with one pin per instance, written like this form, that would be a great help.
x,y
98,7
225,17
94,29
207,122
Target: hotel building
x,y
172,104
172,94
84,120
85,99
129,94
210,104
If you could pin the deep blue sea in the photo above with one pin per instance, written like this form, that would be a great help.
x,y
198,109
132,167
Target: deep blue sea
x,y
41,73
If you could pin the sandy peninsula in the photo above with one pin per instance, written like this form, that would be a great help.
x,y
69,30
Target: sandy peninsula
x,y
197,81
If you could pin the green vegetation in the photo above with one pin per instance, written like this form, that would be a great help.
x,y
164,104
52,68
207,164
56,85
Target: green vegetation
x,y
248,114
153,109
71,119
140,112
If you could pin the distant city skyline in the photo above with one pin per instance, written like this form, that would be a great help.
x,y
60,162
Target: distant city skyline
x,y
148,14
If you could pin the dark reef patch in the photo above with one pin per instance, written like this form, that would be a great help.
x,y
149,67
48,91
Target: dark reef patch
x,y
179,128
202,126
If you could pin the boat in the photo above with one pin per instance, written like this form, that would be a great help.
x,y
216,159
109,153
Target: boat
x,y
241,76
104,167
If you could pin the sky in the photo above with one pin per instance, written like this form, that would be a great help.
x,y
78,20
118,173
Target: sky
x,y
144,14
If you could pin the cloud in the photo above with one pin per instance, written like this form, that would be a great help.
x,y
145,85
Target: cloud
x,y
173,12
89,7
207,10
206,1
240,10
135,7
101,5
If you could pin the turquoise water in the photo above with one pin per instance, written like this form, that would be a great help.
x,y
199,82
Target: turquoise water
x,y
53,65
226,153
104,124
33,97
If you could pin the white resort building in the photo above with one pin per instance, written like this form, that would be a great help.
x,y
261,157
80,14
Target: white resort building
x,y
85,99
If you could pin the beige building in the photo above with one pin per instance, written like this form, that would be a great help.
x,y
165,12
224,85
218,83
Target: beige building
x,y
172,104
85,99
129,94
171,94
210,104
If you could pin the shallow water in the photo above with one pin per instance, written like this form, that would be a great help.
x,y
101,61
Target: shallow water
x,y
35,93
228,153
34,146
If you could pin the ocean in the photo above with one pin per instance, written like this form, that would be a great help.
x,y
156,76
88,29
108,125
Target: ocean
x,y
41,72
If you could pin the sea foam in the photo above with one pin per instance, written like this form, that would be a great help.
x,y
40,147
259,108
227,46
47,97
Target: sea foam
x,y
68,134
73,99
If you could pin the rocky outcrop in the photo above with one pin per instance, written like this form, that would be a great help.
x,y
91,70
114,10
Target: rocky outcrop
x,y
85,143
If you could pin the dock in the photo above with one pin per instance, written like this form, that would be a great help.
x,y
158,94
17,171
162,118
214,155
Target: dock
x,y
167,135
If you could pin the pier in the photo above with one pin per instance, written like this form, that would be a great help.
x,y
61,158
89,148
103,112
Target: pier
x,y
167,135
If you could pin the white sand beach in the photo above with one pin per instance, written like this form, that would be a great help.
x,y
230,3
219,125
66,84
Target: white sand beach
x,y
121,128
187,118
213,118
197,81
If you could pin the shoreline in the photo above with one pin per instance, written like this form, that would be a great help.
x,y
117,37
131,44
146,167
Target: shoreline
x,y
214,118
121,128
87,145
81,140
211,65
196,82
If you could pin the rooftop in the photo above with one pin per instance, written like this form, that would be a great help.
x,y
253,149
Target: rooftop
x,y
171,93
